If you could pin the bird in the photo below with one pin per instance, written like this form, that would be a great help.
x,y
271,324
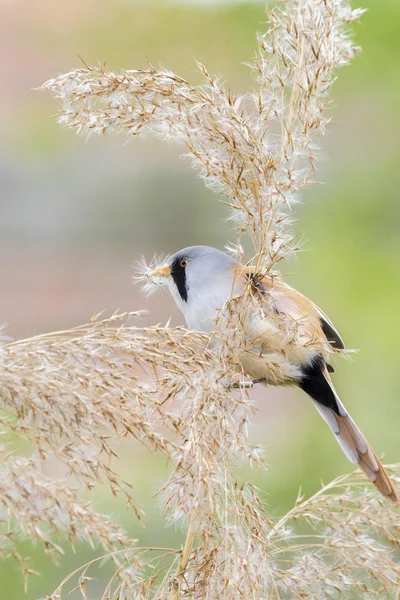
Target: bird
x,y
288,342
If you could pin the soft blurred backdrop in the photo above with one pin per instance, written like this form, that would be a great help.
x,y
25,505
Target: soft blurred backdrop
x,y
75,214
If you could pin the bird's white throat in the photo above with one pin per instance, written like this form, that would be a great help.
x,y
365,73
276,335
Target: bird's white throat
x,y
203,301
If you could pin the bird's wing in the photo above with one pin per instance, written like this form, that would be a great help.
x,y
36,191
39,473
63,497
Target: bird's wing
x,y
289,323
330,331
297,299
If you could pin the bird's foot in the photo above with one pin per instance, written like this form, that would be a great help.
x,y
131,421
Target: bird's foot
x,y
247,384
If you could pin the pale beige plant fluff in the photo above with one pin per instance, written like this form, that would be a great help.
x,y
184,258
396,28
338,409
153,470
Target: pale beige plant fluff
x,y
75,394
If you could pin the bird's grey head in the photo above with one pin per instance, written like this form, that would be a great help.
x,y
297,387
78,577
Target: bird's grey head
x,y
200,280
194,268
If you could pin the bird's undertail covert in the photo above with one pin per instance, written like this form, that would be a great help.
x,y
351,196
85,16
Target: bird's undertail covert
x,y
318,385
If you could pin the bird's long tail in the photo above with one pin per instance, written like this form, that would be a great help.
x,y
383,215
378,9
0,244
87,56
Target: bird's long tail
x,y
350,438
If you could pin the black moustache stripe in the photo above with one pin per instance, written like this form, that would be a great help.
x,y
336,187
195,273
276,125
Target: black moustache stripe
x,y
179,276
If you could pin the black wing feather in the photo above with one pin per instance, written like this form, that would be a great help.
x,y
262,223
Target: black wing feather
x,y
330,332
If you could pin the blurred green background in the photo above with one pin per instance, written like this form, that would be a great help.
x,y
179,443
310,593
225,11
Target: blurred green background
x,y
76,213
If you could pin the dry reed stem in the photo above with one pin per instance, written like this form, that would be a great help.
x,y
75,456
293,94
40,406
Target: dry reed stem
x,y
177,583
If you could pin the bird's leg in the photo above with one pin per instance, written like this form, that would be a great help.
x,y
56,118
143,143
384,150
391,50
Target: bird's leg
x,y
247,385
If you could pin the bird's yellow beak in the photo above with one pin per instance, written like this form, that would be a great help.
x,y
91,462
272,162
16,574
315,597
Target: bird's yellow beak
x,y
163,271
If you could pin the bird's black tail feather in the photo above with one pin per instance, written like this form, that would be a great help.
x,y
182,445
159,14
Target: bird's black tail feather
x,y
317,383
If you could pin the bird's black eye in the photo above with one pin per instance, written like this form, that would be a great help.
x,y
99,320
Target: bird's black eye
x,y
183,263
